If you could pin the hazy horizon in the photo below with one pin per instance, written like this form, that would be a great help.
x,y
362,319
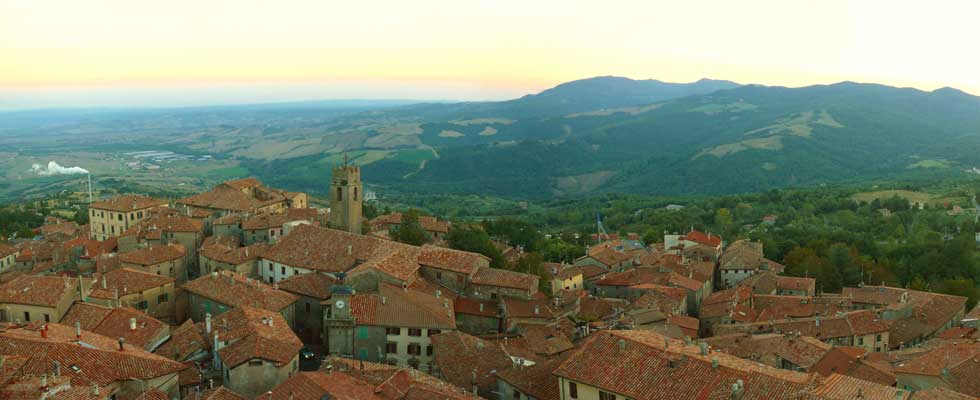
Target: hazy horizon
x,y
185,52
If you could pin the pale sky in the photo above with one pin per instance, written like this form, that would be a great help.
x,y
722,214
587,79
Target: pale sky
x,y
181,52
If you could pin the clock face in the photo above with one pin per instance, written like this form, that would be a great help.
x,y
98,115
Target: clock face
x,y
339,304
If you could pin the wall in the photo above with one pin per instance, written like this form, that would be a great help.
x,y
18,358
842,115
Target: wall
x,y
232,230
309,324
477,324
8,262
165,311
207,265
452,280
254,380
105,224
585,392
174,268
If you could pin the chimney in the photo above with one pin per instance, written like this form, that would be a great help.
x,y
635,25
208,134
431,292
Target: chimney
x,y
132,324
704,348
56,366
438,293
122,341
481,307
104,285
207,323
271,321
899,394
44,331
714,362
95,389
350,249
622,345
78,330
817,321
537,309
384,300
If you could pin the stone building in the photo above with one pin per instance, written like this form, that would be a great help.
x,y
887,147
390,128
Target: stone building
x,y
255,349
346,198
29,298
222,291
166,260
110,218
126,287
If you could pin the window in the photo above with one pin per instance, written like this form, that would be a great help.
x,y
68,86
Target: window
x,y
120,216
606,396
391,348
363,333
228,375
393,331
860,341
493,296
270,267
142,305
517,395
307,308
434,332
47,318
163,298
414,332
878,338
139,214
27,316
93,213
355,194
254,363
282,270
415,349
572,390
438,275
340,194
428,350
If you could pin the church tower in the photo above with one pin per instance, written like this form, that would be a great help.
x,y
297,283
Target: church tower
x,y
346,197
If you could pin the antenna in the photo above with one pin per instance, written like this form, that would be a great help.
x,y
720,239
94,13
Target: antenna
x,y
89,187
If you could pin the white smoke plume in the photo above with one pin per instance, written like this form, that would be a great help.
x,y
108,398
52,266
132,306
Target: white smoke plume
x,y
53,168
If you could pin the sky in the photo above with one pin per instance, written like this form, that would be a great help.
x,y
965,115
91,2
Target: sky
x,y
187,52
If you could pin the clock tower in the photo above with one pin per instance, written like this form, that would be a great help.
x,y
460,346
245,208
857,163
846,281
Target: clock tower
x,y
338,322
346,197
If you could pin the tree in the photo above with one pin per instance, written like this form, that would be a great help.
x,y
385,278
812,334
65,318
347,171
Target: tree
x,y
847,262
723,217
410,230
476,240
533,264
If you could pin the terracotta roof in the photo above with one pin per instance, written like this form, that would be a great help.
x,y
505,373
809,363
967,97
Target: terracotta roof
x,y
97,361
6,250
166,222
324,249
852,361
394,306
929,313
842,387
592,271
398,262
153,255
453,260
224,197
232,289
127,203
703,238
941,393
644,365
65,228
793,283
464,305
428,223
185,341
535,308
853,323
218,393
243,183
315,285
771,348
255,333
265,221
116,322
317,385
536,381
392,382
545,340
459,356
126,281
689,325
44,291
877,295
958,332
487,276
233,255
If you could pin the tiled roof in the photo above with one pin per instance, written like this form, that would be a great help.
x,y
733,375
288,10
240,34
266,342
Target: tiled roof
x,y
853,323
689,325
592,271
233,255
794,283
232,289
116,323
703,238
6,250
153,255
126,281
460,356
44,291
545,340
265,221
947,355
224,197
852,361
644,365
929,313
958,332
127,203
185,340
65,228
325,249
536,381
452,260
321,385
394,382
465,305
843,387
877,295
166,222
218,393
255,333
601,308
761,282
487,276
535,308
394,306
941,393
803,351
428,223
243,183
398,262
97,361
315,285
773,307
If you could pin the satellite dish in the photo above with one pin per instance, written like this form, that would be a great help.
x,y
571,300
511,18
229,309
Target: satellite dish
x,y
339,304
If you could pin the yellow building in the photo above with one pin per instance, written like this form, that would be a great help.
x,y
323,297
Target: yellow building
x,y
110,218
37,298
126,287
8,257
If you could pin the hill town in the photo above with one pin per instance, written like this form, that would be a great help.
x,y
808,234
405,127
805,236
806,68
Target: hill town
x,y
247,291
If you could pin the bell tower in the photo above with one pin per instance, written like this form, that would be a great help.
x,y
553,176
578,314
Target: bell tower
x,y
346,196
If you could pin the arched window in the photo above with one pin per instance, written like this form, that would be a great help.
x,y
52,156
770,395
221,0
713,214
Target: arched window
x,y
340,194
355,194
